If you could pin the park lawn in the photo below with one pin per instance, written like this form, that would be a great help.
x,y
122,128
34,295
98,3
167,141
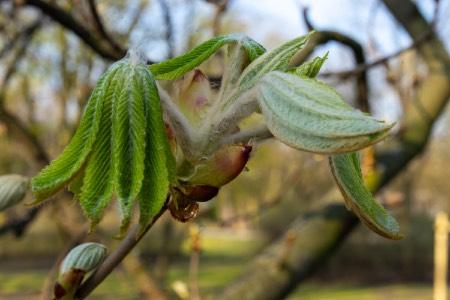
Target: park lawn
x,y
222,259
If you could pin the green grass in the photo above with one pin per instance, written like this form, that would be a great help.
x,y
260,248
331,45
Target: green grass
x,y
397,292
223,257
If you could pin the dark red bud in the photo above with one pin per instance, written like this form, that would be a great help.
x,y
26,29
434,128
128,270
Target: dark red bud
x,y
200,193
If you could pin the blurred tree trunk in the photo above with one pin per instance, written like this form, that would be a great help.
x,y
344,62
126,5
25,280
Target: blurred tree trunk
x,y
314,236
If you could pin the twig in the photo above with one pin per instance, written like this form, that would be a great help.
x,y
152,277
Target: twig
x,y
325,36
255,134
364,67
128,243
18,226
101,28
169,28
67,21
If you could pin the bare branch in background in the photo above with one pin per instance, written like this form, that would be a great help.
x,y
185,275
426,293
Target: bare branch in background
x,y
364,67
146,283
101,28
67,21
325,36
168,27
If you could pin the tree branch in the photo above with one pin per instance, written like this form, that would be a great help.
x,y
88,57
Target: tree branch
x,y
67,21
325,36
101,28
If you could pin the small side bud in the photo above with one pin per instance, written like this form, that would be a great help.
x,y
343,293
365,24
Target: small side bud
x,y
200,193
13,189
78,262
183,209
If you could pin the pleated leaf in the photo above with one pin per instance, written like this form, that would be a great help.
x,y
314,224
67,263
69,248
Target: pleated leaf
x,y
129,141
178,66
347,173
61,170
309,115
159,164
13,189
277,59
98,180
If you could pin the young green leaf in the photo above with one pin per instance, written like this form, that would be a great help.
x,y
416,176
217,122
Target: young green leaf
x,y
129,146
310,68
309,115
277,59
178,66
347,173
98,180
63,169
120,148
159,164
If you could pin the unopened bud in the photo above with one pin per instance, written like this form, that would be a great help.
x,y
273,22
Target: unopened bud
x,y
80,260
13,189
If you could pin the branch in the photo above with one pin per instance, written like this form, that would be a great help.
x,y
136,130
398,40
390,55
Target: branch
x,y
364,67
67,21
101,28
18,226
169,27
115,258
247,136
325,36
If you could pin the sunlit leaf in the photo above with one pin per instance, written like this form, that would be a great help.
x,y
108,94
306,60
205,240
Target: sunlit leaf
x,y
121,148
61,170
309,115
347,173
159,164
98,181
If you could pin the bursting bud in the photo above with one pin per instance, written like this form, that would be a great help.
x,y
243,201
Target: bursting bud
x,y
80,260
193,95
13,189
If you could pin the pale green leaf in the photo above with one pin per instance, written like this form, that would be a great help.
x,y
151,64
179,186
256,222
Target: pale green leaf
x,y
178,66
309,115
61,170
13,189
347,173
277,59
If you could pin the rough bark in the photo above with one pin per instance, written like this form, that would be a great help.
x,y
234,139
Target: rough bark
x,y
314,236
